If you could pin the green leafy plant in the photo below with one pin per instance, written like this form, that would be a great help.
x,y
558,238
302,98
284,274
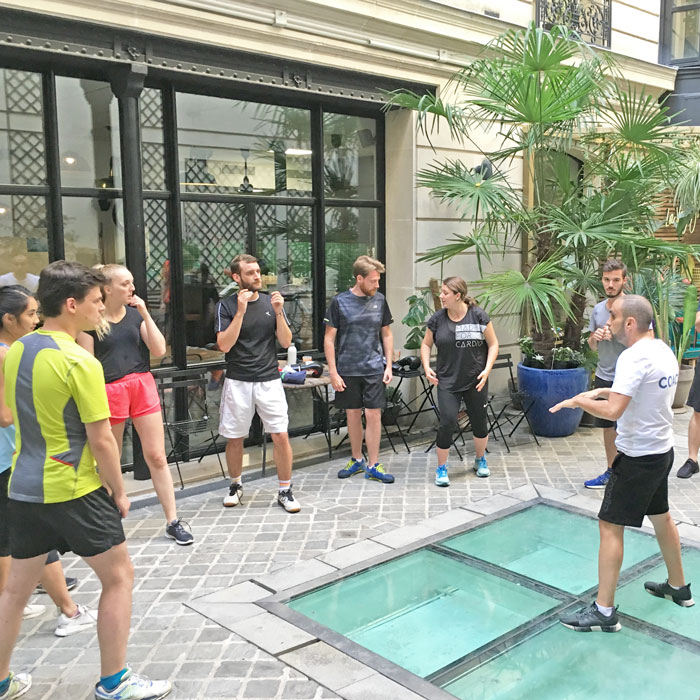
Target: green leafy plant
x,y
683,327
596,152
419,310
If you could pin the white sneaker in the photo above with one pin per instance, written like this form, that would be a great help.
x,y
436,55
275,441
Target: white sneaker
x,y
84,619
288,502
235,495
134,687
31,611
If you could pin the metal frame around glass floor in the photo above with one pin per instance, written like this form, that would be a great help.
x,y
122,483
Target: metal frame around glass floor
x,y
429,687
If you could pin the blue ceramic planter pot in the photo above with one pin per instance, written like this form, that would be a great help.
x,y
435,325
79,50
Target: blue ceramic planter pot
x,y
546,387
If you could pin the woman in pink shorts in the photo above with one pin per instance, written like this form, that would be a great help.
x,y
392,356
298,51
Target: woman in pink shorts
x,y
123,348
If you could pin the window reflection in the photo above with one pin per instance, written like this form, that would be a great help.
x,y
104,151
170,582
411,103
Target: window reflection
x,y
23,240
93,230
349,155
21,128
350,232
685,39
152,152
88,133
228,146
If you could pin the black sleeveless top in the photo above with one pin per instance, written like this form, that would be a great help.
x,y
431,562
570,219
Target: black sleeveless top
x,y
122,351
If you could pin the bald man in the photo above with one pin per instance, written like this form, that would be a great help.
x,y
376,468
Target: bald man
x,y
640,401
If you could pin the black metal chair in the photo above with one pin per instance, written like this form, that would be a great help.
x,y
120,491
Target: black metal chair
x,y
514,411
186,390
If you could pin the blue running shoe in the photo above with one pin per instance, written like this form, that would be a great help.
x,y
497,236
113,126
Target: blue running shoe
x,y
352,467
480,467
377,473
600,482
441,478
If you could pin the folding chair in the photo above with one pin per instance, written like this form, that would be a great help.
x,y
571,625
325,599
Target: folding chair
x,y
516,408
193,383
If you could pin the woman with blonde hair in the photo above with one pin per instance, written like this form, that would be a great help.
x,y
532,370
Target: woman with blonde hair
x,y
122,345
467,348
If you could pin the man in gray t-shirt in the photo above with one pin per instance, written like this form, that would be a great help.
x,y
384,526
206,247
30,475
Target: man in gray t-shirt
x,y
609,349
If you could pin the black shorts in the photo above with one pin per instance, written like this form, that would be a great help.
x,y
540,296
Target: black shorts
x,y
694,394
362,392
637,487
599,383
4,515
86,526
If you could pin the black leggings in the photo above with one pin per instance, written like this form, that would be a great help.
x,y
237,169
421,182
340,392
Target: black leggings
x,y
448,404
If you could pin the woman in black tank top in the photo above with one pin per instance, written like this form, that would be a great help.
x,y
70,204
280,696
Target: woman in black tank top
x,y
122,346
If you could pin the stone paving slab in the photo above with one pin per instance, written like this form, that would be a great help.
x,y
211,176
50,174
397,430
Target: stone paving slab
x,y
327,665
225,614
449,519
377,687
271,633
354,554
406,535
493,504
291,576
246,592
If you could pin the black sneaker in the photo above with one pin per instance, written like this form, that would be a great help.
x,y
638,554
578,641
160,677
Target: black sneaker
x,y
590,619
681,597
690,467
287,501
176,531
71,583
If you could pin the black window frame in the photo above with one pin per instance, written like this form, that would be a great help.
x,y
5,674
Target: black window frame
x,y
668,11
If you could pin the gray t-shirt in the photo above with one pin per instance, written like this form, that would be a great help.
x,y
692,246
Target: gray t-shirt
x,y
358,342
608,350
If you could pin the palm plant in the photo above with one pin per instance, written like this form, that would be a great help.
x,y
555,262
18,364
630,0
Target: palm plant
x,y
596,154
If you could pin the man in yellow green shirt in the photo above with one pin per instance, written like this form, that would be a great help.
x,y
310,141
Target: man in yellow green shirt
x,y
55,390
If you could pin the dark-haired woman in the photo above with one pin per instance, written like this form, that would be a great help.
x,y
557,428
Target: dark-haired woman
x,y
18,316
467,347
123,346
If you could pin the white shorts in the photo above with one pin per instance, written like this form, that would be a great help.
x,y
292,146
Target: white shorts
x,y
240,400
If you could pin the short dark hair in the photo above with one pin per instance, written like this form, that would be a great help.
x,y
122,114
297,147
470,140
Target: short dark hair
x,y
14,300
62,280
242,258
613,264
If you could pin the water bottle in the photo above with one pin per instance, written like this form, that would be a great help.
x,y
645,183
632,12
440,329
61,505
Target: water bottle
x,y
292,354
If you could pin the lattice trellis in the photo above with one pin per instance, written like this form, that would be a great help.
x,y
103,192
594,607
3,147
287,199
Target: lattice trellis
x,y
23,92
152,166
151,108
215,232
156,226
29,216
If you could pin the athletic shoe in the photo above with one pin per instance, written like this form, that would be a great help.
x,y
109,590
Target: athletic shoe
x,y
84,619
377,473
681,597
134,687
481,468
690,467
590,619
31,611
600,482
288,502
441,478
71,583
352,467
20,683
235,495
176,531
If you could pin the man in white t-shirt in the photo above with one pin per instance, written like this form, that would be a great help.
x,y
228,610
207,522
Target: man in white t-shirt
x,y
640,401
20,275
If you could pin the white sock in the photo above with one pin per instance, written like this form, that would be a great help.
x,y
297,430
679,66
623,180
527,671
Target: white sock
x,y
237,480
675,588
606,611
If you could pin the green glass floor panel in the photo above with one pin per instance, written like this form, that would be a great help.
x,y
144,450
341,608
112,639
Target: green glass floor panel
x,y
423,611
634,600
559,664
549,545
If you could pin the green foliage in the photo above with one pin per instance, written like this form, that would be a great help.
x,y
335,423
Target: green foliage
x,y
546,95
419,310
684,327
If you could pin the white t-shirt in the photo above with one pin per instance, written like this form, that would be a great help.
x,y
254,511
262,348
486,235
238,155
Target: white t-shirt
x,y
31,282
647,372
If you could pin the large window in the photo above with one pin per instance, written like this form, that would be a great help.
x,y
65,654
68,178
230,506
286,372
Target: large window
x,y
681,31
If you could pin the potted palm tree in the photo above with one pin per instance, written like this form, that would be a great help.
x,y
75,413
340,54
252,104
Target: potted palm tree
x,y
596,154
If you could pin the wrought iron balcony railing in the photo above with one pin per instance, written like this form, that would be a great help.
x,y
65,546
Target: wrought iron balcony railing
x,y
589,18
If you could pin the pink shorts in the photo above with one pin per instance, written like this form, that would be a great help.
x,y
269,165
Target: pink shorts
x,y
132,396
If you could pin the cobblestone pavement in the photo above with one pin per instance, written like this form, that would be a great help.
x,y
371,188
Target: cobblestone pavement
x,y
169,640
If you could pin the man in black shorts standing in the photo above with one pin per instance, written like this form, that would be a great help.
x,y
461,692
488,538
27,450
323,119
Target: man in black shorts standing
x,y
640,400
56,392
359,349
248,327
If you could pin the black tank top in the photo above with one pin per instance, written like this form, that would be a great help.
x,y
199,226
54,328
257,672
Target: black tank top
x,y
122,351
